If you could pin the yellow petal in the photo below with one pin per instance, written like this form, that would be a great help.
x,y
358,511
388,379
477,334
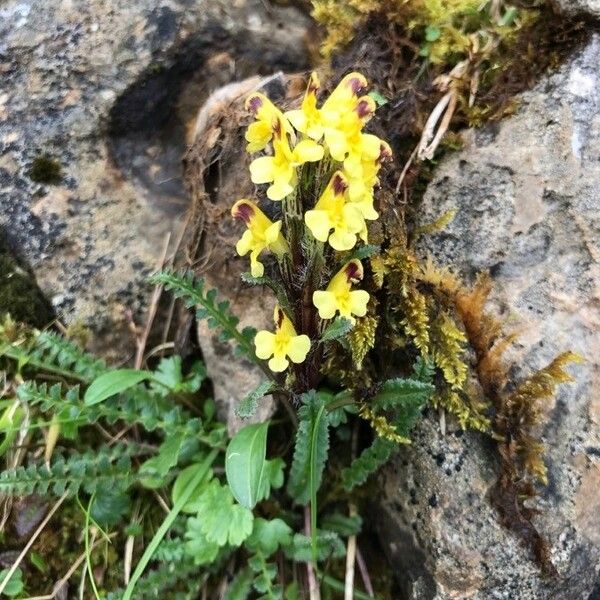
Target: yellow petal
x,y
358,302
278,364
272,232
353,218
319,224
371,146
298,348
279,190
258,136
341,240
325,303
257,269
298,119
336,142
265,344
307,151
245,243
262,169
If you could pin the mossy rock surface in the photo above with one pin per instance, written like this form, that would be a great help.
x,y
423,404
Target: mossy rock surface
x,y
19,294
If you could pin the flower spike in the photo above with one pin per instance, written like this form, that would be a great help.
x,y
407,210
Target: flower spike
x,y
261,234
260,133
339,296
282,345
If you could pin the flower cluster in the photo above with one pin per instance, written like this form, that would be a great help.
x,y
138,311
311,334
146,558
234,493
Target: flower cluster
x,y
321,169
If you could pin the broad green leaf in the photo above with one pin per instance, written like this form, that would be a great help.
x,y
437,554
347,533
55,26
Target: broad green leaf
x,y
113,382
267,536
247,407
169,376
157,467
15,584
191,506
245,463
221,520
197,546
109,506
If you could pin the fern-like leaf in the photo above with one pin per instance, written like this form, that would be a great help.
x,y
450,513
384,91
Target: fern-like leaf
x,y
218,315
312,443
370,460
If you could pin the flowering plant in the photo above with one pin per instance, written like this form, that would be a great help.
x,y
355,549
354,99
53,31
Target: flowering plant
x,y
321,169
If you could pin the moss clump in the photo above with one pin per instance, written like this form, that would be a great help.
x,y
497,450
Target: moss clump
x,y
20,296
45,169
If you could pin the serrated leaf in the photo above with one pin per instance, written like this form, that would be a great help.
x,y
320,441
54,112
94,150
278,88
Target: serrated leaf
x,y
339,328
113,382
245,463
329,545
373,457
169,376
157,467
197,545
342,524
312,446
267,536
223,521
110,506
247,407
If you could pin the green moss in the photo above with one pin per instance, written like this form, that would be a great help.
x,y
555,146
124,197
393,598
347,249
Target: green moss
x,y
45,169
20,295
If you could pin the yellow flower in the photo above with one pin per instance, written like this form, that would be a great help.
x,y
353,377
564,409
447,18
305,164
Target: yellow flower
x,y
360,186
333,212
259,133
342,101
339,297
261,234
283,344
308,119
280,169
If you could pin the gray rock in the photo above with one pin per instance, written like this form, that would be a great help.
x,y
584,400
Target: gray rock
x,y
580,7
527,192
108,89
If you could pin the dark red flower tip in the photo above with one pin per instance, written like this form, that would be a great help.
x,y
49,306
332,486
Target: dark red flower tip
x,y
244,212
339,184
279,319
364,108
254,103
354,271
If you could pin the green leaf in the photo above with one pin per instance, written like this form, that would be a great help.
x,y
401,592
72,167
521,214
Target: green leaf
x,y
339,328
241,586
37,560
113,382
432,33
373,457
222,521
197,546
181,483
267,536
406,398
110,506
10,421
272,477
247,407
312,446
292,591
329,545
15,584
508,18
157,467
379,98
169,375
245,463
342,524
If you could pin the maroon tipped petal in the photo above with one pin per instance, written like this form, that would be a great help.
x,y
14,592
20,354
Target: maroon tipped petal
x,y
254,103
244,211
354,271
339,184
